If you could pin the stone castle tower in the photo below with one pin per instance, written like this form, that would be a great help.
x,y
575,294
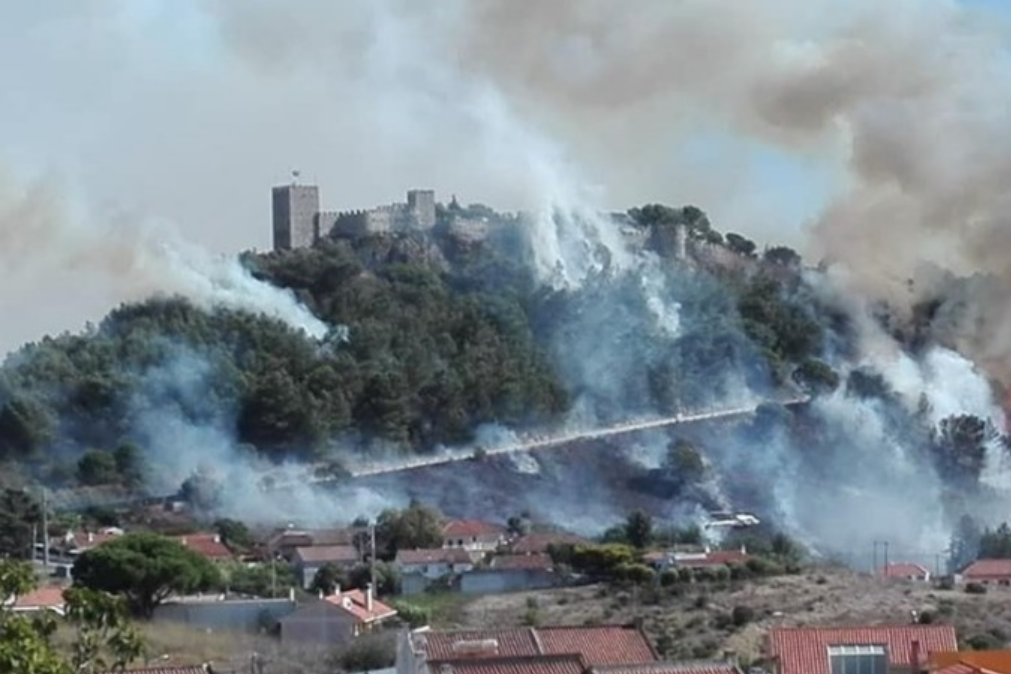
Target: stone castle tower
x,y
298,222
294,216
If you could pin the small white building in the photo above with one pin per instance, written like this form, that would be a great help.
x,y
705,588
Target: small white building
x,y
307,561
435,563
906,571
335,620
476,537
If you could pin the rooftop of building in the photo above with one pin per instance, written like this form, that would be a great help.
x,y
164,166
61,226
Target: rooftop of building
x,y
598,646
471,528
804,650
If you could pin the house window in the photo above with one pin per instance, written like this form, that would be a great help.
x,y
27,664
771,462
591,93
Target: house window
x,y
871,659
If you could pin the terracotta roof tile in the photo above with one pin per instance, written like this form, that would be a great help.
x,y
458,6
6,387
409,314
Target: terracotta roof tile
x,y
433,556
684,667
605,645
905,570
338,554
535,664
598,646
532,561
49,596
357,605
510,642
988,569
804,650
960,668
208,545
470,528
984,661
539,542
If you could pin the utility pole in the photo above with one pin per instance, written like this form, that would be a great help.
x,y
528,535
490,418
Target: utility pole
x,y
45,528
372,556
874,566
886,555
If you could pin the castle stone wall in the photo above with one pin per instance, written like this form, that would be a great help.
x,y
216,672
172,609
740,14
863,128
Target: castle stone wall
x,y
298,222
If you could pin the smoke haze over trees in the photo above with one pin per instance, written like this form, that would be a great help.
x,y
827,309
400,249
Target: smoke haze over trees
x,y
228,368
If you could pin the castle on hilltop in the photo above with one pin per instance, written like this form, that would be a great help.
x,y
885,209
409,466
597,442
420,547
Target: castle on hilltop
x,y
299,223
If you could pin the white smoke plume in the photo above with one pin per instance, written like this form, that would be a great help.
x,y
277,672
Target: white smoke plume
x,y
525,105
113,260
899,106
248,488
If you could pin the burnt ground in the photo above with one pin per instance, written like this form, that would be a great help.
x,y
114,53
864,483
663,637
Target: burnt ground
x,y
697,621
585,485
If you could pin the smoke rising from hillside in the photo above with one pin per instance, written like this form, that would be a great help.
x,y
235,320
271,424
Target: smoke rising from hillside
x,y
900,103
905,101
183,438
42,241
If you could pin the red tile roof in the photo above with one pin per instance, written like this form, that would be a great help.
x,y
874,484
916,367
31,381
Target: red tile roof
x,y
509,642
964,662
322,554
535,664
960,668
539,542
48,596
433,556
697,559
355,602
600,645
905,570
533,561
85,540
988,569
471,528
605,645
684,667
208,545
804,650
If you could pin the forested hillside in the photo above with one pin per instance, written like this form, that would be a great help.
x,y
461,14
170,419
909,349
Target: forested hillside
x,y
430,341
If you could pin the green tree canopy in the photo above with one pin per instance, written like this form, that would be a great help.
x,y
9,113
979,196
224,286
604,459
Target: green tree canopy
x,y
97,467
104,639
145,569
960,447
639,529
995,543
19,513
417,526
683,462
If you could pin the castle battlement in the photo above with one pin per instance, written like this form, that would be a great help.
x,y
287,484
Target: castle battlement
x,y
299,222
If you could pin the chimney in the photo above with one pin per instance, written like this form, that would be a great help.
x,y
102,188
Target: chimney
x,y
217,538
914,657
368,598
91,537
337,590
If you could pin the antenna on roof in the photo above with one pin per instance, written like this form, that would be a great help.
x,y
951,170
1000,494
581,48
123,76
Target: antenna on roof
x,y
295,173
